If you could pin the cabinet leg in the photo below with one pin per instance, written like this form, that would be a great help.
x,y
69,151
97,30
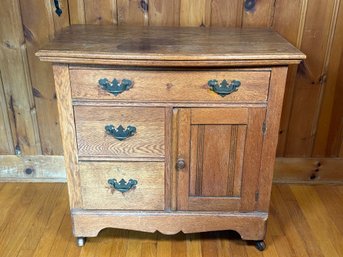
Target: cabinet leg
x,y
260,245
80,241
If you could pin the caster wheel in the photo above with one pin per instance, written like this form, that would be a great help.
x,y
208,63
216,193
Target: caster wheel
x,y
80,241
260,245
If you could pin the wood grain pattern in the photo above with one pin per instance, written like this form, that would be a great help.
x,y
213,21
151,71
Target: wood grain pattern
x,y
77,12
286,170
195,13
329,136
289,21
169,223
216,160
32,168
100,12
169,159
47,232
276,93
310,79
92,139
165,86
252,159
324,89
6,146
151,43
16,82
206,157
66,116
182,153
308,170
207,182
259,16
97,193
219,116
164,12
133,12
38,29
226,13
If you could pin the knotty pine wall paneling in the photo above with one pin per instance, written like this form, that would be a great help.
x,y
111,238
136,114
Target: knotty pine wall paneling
x,y
312,118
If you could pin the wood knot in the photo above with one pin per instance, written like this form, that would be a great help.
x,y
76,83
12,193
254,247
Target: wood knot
x,y
144,6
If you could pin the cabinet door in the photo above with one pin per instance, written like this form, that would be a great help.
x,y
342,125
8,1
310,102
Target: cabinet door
x,y
218,158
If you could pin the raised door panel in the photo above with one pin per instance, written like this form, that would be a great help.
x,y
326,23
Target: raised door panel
x,y
222,158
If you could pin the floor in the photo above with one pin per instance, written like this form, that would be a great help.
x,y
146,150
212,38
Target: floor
x,y
304,221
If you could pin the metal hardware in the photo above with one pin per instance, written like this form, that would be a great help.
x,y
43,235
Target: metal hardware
x,y
120,133
180,164
260,245
122,186
58,10
264,128
80,241
115,87
224,88
29,171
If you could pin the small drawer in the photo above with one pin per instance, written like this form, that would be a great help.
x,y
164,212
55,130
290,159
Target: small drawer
x,y
122,185
135,132
170,86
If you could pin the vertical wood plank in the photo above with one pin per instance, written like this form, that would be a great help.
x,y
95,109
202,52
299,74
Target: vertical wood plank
x,y
289,20
330,125
16,83
174,152
132,12
6,141
335,138
195,13
183,153
327,94
66,116
77,12
226,13
259,16
168,137
100,11
164,12
215,165
310,80
276,93
38,29
253,150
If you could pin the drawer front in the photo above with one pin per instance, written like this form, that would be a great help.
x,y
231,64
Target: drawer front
x,y
179,86
95,139
142,187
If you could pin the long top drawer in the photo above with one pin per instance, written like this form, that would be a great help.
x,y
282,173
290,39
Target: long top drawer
x,y
172,86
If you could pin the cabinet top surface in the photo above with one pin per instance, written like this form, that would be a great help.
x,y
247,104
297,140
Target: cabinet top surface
x,y
97,43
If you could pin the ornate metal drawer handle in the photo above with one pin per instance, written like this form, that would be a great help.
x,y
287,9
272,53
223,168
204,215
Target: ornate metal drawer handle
x,y
224,88
120,133
115,87
122,186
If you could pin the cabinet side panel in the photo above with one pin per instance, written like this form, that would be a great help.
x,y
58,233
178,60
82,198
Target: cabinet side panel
x,y
252,159
66,116
276,93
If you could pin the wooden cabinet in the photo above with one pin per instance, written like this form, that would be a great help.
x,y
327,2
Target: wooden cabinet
x,y
169,129
221,149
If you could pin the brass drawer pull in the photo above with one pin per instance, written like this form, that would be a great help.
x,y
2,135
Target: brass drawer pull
x,y
120,133
224,88
122,186
115,87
